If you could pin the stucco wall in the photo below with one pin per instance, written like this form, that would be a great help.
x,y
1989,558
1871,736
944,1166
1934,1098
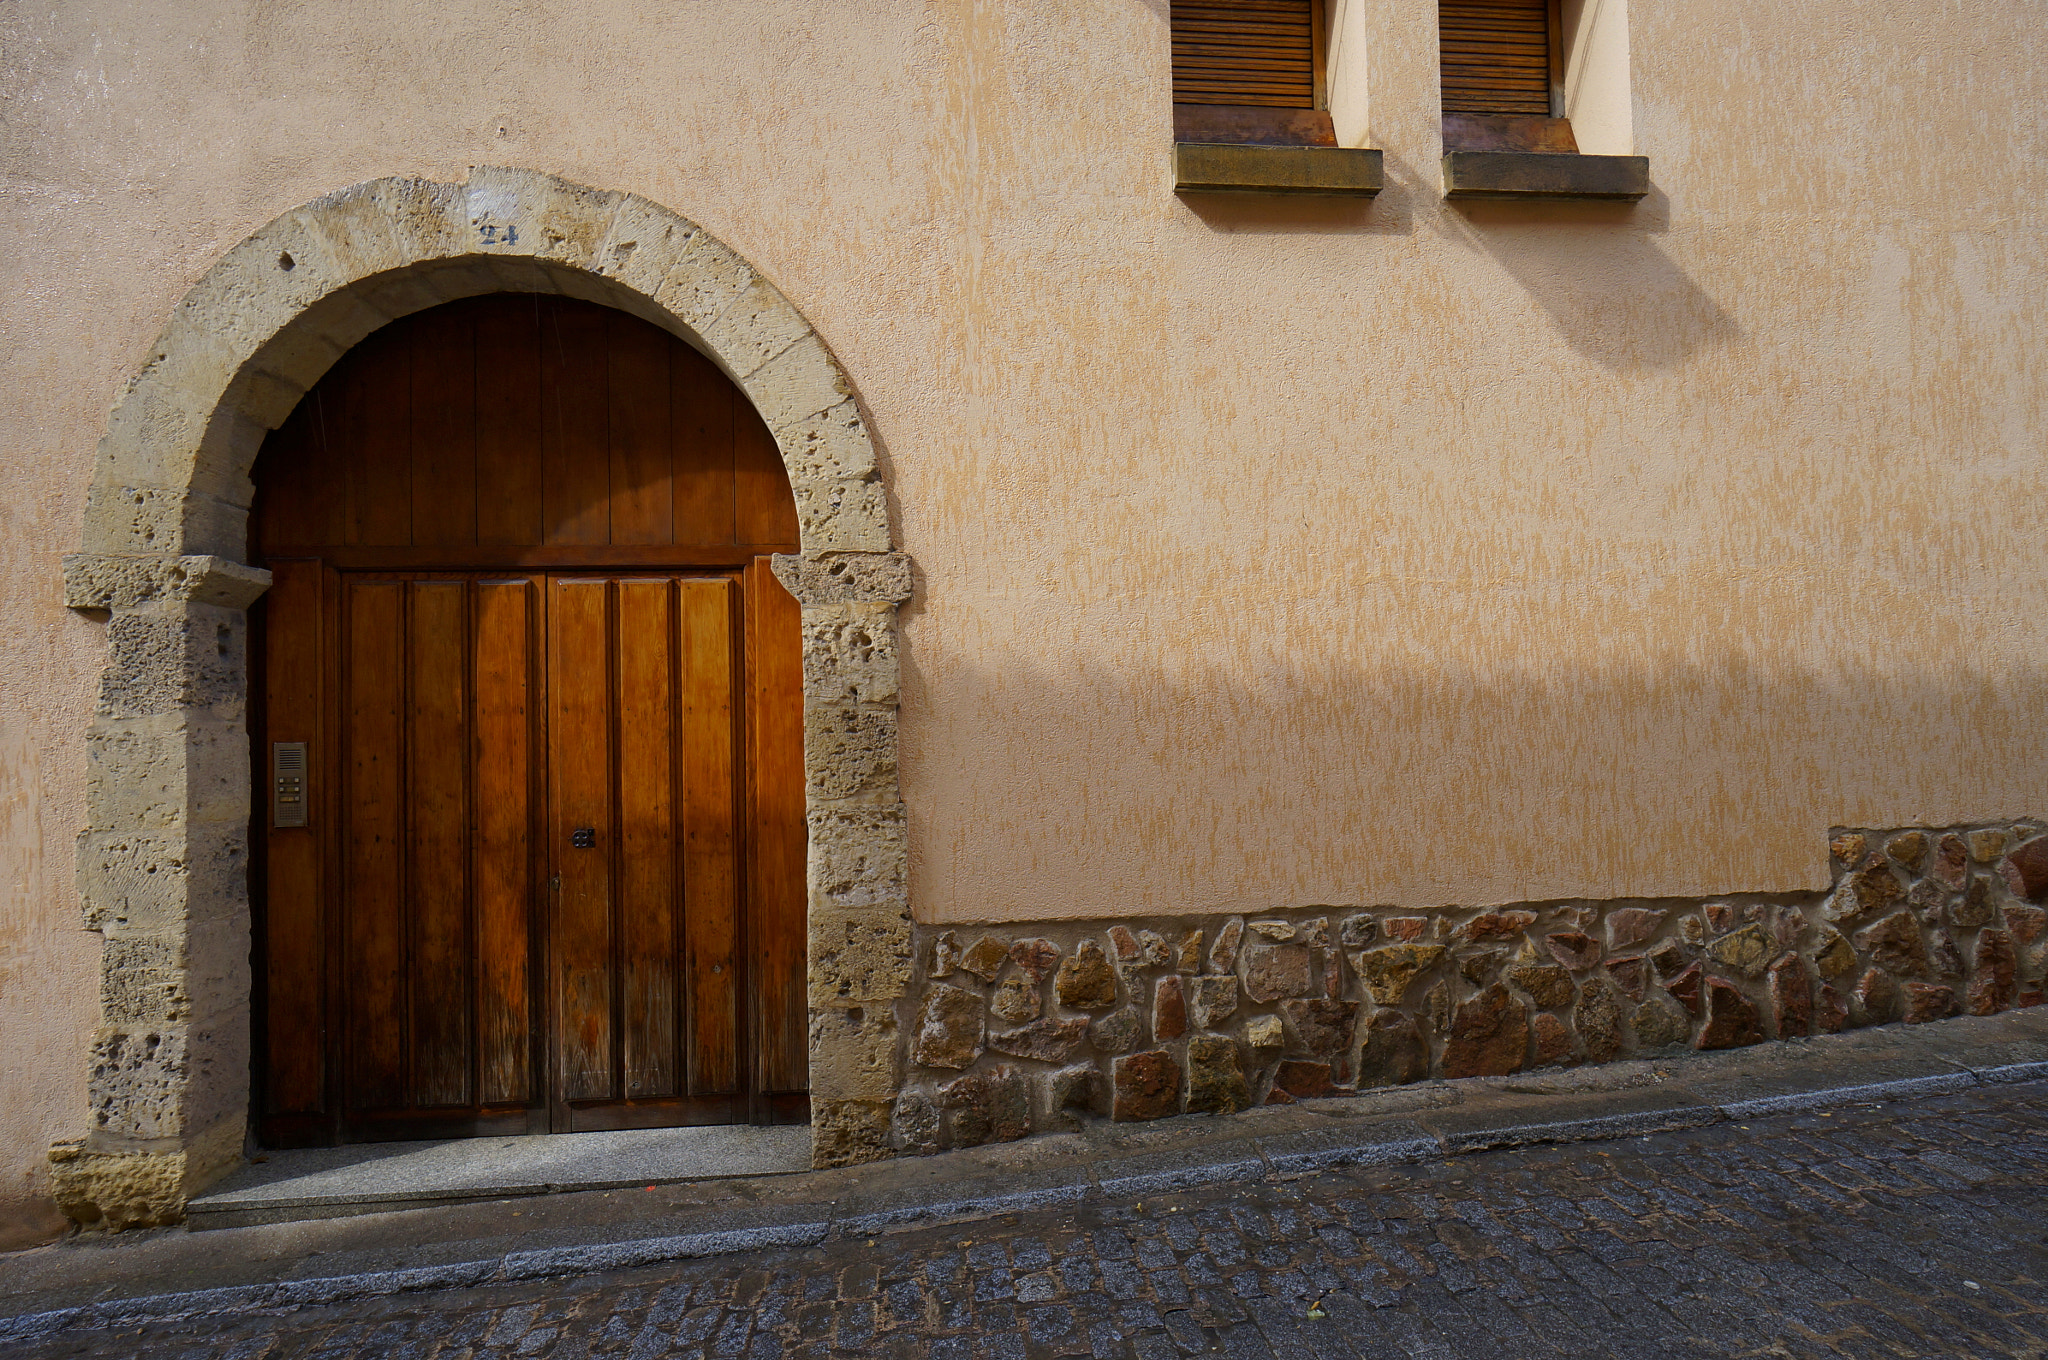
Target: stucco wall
x,y
1271,553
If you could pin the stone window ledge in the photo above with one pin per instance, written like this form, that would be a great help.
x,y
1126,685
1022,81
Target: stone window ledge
x,y
1238,168
1544,175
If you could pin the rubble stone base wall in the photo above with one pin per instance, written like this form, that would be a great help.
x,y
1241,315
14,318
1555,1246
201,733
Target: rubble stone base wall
x,y
1016,1031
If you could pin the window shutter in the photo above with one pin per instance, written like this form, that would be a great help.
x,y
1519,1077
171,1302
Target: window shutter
x,y
1496,56
1244,52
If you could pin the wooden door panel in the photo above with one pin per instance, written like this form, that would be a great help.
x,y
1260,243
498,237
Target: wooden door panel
x,y
710,843
374,886
777,894
580,776
648,897
294,955
437,820
507,666
575,426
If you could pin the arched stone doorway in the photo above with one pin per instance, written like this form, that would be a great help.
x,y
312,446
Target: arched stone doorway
x,y
164,859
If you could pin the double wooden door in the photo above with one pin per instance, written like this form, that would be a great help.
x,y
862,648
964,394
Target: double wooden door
x,y
531,825
527,731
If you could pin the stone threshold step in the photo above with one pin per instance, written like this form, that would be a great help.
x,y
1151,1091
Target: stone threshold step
x,y
370,1178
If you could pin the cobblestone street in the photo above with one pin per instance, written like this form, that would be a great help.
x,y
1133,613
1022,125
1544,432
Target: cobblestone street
x,y
1911,1230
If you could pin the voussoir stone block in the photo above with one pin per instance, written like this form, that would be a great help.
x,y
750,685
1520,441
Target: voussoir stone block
x,y
828,446
799,382
754,327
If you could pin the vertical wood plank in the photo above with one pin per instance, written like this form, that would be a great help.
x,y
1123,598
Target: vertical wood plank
x,y
437,760
575,394
710,860
702,400
579,771
506,649
375,893
510,500
764,510
643,503
648,899
294,961
380,430
777,837
444,426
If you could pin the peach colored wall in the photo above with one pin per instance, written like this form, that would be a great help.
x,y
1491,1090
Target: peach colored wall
x,y
1270,552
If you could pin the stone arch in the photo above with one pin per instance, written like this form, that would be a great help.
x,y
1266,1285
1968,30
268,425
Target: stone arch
x,y
163,861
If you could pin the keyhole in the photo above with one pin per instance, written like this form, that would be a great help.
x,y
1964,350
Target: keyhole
x,y
584,837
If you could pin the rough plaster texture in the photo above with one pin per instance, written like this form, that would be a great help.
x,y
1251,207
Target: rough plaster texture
x,y
1269,552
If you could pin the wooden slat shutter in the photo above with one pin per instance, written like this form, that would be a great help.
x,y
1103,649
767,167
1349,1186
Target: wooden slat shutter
x,y
1496,56
1244,52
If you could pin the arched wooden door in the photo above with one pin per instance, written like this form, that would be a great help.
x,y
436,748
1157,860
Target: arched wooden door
x,y
528,739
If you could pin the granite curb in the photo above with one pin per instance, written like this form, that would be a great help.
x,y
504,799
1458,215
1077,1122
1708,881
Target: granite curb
x,y
1429,1135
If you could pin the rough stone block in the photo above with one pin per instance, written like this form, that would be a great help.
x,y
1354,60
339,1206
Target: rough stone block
x,y
837,517
1747,951
989,1106
1211,1000
1659,1024
1145,1086
1169,1009
1732,1020
2026,870
849,1132
1047,1040
1600,1017
1080,1087
1573,949
861,955
914,1123
1791,988
1264,1031
850,653
1394,1052
152,881
1388,970
1216,1081
853,1053
138,1081
1119,1031
1489,1036
986,956
849,752
1017,999
1494,925
1925,1002
1223,954
758,324
642,245
1036,958
160,774
949,1027
1991,989
1551,1038
800,381
844,578
1086,981
828,446
1632,925
1272,971
1894,944
1547,984
1321,1027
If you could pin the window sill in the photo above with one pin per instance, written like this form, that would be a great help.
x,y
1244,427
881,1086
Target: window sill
x,y
1544,175
1236,168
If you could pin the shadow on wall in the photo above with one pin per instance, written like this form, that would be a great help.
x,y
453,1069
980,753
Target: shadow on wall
x,y
1118,786
1616,298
